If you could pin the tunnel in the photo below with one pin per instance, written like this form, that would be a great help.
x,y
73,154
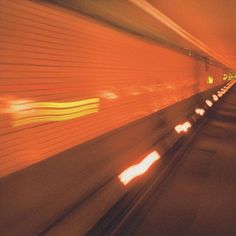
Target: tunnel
x,y
117,117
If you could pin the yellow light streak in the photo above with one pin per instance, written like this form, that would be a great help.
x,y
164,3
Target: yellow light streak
x,y
53,118
27,111
65,104
45,112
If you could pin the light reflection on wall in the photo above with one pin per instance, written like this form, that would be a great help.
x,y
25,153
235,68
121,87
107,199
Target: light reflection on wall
x,y
26,111
109,95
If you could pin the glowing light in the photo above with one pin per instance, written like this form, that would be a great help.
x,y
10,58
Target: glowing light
x,y
210,79
109,95
66,104
138,169
16,106
53,118
183,127
199,111
209,103
56,112
225,77
229,76
219,94
215,98
223,91
26,111
135,93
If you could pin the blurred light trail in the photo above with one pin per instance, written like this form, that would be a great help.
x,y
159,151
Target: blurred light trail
x,y
54,118
199,111
209,103
66,104
26,112
183,127
138,169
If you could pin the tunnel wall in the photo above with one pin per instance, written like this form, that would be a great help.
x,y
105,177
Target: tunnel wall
x,y
66,79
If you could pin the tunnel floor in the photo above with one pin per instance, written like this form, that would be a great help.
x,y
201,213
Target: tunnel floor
x,y
198,198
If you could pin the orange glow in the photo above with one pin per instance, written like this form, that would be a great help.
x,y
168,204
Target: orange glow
x,y
183,127
209,103
200,111
215,98
138,169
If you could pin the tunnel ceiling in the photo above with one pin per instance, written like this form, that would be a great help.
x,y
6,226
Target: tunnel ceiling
x,y
203,29
213,22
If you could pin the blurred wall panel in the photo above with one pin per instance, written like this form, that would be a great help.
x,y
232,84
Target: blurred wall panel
x,y
65,79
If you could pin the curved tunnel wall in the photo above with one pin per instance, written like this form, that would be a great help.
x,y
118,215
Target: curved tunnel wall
x,y
66,79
